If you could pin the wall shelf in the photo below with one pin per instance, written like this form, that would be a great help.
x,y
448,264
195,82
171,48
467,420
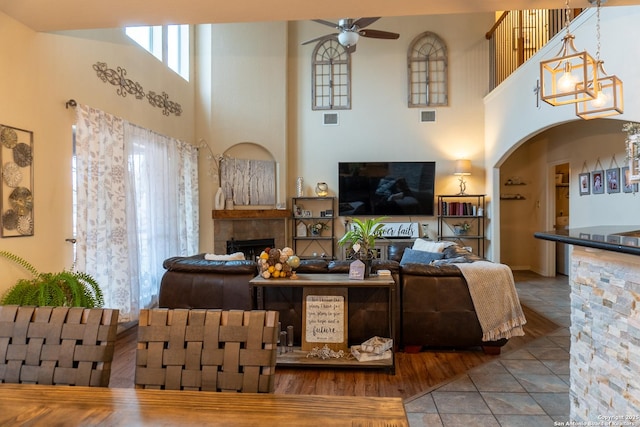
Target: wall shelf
x,y
308,211
468,208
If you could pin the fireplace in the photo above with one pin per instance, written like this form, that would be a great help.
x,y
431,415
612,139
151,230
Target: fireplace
x,y
245,225
251,248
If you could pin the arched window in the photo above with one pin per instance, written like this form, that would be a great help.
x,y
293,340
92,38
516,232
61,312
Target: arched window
x,y
331,76
427,68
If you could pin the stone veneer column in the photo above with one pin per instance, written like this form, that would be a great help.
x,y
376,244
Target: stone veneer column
x,y
605,336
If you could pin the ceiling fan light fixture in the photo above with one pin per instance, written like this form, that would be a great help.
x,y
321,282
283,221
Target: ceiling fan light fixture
x,y
351,30
348,38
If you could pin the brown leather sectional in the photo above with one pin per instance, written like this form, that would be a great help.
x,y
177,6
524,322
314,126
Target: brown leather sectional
x,y
433,305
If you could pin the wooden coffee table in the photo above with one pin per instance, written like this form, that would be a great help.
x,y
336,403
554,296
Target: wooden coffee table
x,y
299,357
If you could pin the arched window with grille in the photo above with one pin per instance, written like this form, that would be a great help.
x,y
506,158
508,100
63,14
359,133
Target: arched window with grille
x,y
331,76
427,68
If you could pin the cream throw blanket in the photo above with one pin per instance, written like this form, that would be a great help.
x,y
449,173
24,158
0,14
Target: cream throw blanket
x,y
495,299
236,256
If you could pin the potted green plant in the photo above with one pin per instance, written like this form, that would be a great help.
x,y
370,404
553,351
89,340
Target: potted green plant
x,y
362,235
66,288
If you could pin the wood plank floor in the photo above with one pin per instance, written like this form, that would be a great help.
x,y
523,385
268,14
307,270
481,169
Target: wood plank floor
x,y
416,373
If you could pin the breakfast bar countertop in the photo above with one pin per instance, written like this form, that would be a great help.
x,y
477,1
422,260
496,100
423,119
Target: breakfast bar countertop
x,y
614,238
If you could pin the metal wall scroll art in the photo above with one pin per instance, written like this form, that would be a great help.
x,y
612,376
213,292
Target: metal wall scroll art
x,y
126,86
16,191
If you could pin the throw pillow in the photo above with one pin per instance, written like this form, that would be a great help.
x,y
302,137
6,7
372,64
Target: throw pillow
x,y
412,256
430,246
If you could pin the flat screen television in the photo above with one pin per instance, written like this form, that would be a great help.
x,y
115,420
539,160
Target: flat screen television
x,y
386,188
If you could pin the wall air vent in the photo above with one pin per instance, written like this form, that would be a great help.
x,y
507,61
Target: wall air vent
x,y
427,116
330,119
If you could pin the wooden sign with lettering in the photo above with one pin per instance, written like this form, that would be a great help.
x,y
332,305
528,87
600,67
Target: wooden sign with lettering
x,y
400,229
324,318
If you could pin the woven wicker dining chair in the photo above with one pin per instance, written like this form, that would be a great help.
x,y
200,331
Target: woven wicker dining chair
x,y
57,345
208,350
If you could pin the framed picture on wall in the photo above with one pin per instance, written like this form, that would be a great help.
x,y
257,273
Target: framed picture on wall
x,y
627,185
584,180
597,182
613,180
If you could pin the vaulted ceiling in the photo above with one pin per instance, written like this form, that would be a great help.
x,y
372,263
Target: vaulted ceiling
x,y
52,15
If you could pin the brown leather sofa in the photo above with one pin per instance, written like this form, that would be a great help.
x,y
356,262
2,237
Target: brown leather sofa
x,y
433,304
437,310
194,282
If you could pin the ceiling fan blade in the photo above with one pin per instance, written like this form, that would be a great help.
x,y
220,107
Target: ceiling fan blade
x,y
364,22
320,38
351,48
377,34
327,23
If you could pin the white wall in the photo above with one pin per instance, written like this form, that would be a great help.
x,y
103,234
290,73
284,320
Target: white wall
x,y
505,132
380,126
40,73
260,92
243,101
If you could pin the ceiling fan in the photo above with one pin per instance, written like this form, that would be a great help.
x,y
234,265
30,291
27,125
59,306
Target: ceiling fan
x,y
351,30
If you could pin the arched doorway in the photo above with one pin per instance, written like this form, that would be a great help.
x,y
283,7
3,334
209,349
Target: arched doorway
x,y
569,148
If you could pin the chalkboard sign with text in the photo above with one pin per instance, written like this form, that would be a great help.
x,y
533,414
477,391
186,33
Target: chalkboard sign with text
x,y
324,318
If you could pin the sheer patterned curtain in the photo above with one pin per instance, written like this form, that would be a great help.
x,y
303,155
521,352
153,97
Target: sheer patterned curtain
x,y
162,204
137,201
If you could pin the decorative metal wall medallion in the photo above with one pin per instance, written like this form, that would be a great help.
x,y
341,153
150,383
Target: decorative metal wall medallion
x,y
16,187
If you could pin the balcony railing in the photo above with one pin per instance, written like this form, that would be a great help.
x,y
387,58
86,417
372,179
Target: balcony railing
x,y
517,35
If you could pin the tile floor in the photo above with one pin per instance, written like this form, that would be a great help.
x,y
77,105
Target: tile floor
x,y
528,386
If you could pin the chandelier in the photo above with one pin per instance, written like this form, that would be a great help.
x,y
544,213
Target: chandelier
x,y
565,78
608,100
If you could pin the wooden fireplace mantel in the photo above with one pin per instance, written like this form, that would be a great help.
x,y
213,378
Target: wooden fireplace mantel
x,y
232,214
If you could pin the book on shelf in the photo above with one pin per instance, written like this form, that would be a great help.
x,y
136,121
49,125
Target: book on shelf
x,y
458,209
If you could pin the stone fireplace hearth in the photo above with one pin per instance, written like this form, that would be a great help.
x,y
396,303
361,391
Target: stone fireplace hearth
x,y
241,224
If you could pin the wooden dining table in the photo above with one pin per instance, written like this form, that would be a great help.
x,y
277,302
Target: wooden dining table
x,y
35,405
